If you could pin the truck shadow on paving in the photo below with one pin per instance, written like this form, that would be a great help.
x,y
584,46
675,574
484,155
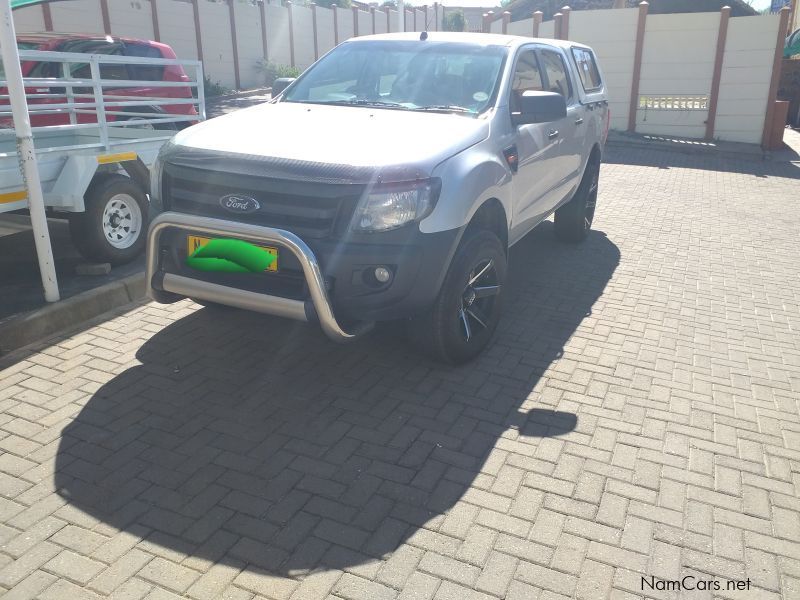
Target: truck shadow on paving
x,y
247,439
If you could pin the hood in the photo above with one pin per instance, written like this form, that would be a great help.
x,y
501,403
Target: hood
x,y
360,137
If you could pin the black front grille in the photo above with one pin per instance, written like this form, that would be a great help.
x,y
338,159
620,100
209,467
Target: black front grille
x,y
308,209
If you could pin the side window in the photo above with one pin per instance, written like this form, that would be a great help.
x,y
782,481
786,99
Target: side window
x,y
556,71
83,46
145,72
587,69
527,77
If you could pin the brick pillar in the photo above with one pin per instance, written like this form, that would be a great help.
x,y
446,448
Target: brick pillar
x,y
537,22
637,65
487,21
234,44
713,99
783,28
314,28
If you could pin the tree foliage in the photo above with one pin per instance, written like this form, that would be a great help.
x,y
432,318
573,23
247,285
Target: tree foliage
x,y
339,3
454,21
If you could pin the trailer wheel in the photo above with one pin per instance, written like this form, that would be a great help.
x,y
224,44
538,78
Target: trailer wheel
x,y
114,225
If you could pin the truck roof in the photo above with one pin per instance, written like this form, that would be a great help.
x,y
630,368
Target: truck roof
x,y
483,39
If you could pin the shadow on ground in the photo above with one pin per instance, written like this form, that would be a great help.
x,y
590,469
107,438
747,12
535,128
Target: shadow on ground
x,y
246,438
19,266
784,163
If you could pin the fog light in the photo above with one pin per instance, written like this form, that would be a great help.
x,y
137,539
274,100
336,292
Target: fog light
x,y
382,274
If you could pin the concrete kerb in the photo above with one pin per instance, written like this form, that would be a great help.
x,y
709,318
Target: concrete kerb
x,y
27,328
688,146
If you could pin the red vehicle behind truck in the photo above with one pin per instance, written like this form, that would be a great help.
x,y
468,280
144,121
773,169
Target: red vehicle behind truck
x,y
101,44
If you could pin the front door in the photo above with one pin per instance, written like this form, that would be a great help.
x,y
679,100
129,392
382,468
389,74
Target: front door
x,y
571,136
537,146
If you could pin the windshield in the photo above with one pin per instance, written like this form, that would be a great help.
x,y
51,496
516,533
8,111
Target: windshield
x,y
415,75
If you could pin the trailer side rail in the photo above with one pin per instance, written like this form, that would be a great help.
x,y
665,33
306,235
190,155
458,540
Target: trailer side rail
x,y
91,103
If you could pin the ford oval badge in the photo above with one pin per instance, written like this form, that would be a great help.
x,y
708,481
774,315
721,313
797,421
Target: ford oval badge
x,y
239,204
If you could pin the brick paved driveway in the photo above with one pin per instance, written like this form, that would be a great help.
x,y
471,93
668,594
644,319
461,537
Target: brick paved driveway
x,y
637,416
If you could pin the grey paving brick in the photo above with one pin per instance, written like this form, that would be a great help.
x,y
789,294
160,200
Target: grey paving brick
x,y
445,567
16,571
497,574
168,574
400,566
477,545
356,588
262,582
30,586
548,579
73,566
120,571
419,587
594,581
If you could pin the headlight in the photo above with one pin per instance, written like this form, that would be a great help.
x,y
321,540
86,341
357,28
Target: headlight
x,y
388,206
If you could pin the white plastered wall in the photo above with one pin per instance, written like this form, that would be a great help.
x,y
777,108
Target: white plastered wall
x,y
132,18
215,30
77,16
249,43
612,34
29,18
746,72
324,29
677,59
176,24
278,34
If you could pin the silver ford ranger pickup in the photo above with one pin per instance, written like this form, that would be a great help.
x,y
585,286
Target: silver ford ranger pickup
x,y
387,182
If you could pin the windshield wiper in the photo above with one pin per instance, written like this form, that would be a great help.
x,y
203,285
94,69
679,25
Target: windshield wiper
x,y
443,108
354,102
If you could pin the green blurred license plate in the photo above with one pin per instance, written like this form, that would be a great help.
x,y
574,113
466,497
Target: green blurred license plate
x,y
230,255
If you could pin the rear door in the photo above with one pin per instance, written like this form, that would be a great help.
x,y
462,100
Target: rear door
x,y
592,89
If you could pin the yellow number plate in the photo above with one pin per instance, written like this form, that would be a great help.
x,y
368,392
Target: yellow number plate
x,y
193,242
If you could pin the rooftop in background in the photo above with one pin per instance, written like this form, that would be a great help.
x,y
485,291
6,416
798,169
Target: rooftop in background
x,y
523,9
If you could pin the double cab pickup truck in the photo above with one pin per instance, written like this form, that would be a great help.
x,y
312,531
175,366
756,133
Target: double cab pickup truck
x,y
387,182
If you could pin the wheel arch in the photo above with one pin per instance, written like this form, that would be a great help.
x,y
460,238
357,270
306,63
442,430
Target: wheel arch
x,y
490,216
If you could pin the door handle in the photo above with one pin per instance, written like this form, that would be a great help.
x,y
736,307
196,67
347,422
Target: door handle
x,y
553,134
579,121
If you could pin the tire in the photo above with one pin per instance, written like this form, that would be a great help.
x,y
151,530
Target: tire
x,y
573,221
460,324
113,227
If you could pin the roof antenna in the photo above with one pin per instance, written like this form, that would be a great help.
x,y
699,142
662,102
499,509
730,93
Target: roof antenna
x,y
423,36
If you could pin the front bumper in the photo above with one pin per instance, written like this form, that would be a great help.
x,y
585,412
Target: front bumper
x,y
160,284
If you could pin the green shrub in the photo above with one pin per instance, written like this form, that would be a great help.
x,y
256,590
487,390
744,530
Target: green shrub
x,y
213,88
272,71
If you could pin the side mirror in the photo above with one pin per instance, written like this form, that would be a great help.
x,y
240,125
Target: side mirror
x,y
539,107
281,84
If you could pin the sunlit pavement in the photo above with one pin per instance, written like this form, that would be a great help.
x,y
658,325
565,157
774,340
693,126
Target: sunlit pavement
x,y
637,417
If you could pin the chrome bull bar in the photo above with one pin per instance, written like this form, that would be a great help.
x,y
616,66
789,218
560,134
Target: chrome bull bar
x,y
264,303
